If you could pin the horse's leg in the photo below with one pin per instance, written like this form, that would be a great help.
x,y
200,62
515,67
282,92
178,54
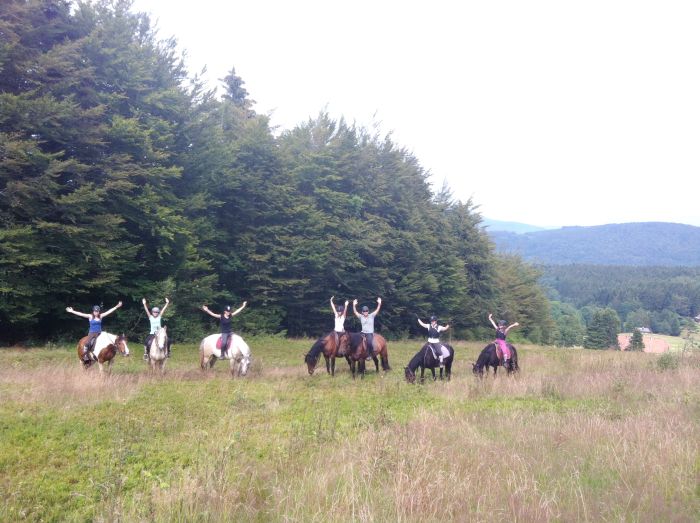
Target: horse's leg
x,y
363,367
422,374
328,364
352,367
376,362
332,365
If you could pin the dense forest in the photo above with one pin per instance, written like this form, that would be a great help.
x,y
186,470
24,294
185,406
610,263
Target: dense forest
x,y
625,244
122,177
658,298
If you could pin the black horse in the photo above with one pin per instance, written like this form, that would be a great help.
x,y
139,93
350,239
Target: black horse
x,y
425,359
489,358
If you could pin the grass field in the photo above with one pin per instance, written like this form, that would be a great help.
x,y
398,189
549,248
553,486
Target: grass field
x,y
579,435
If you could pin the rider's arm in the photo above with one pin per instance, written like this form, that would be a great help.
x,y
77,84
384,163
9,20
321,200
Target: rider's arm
x,y
492,322
354,308
511,326
167,302
110,311
345,310
424,325
210,313
81,314
441,328
145,307
379,306
239,309
335,312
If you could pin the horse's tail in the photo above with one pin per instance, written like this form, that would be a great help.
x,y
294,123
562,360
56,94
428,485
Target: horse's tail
x,y
385,357
202,359
316,350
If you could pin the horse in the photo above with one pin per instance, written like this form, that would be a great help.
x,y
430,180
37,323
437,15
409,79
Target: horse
x,y
238,352
490,357
354,345
105,349
158,349
425,359
326,345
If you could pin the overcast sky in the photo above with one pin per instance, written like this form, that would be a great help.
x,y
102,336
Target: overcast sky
x,y
543,112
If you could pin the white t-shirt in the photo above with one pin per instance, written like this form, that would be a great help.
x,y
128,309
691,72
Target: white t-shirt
x,y
340,323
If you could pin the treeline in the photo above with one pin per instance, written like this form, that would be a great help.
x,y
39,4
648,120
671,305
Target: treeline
x,y
122,177
659,298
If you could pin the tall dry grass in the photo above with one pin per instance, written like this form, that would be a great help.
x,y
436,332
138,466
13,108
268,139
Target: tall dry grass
x,y
582,436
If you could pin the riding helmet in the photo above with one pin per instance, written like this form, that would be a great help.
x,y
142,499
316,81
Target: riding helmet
x,y
155,310
96,308
339,308
227,308
365,308
433,318
501,323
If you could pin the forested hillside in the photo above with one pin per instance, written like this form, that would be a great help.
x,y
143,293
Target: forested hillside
x,y
123,177
636,244
659,298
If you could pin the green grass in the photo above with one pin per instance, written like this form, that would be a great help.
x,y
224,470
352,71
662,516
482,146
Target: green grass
x,y
577,435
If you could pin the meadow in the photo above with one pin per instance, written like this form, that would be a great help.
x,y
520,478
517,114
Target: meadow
x,y
578,435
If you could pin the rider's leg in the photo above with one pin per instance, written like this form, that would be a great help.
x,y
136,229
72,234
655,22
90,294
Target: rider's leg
x,y
89,346
146,345
167,351
370,344
225,336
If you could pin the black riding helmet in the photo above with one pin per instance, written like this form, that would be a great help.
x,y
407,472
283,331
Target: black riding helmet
x,y
501,323
365,308
339,308
96,308
433,318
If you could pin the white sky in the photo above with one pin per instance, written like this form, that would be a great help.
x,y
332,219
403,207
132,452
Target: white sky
x,y
544,112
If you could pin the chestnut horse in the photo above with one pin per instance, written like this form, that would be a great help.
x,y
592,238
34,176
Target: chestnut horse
x,y
491,357
238,352
326,345
106,348
425,359
354,345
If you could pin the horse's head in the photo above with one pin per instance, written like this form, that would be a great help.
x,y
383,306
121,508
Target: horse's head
x,y
245,364
311,362
476,369
409,375
161,337
122,347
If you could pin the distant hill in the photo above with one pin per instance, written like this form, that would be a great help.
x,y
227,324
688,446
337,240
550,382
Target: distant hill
x,y
516,227
635,244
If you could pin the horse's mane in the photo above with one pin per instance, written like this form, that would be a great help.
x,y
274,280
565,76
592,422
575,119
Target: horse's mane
x,y
315,351
418,358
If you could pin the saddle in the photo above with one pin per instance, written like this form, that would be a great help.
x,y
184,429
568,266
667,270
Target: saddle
x,y
228,344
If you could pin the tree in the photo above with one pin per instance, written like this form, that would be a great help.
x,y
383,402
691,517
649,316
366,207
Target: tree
x,y
636,341
602,330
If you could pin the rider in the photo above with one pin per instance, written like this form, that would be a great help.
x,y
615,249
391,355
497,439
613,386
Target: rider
x,y
434,331
225,317
95,326
367,321
339,313
501,333
154,317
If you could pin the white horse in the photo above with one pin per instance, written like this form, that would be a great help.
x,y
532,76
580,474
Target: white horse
x,y
158,349
106,348
238,353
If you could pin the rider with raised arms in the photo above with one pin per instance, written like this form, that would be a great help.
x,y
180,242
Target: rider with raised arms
x,y
225,322
367,321
501,333
339,315
154,317
95,326
434,331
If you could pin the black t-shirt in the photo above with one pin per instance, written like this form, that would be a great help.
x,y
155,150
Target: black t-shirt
x,y
225,324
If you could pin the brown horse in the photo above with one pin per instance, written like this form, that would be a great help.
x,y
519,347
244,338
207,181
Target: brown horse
x,y
330,349
106,348
354,344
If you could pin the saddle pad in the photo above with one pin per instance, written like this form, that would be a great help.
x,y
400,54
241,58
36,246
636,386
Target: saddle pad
x,y
228,345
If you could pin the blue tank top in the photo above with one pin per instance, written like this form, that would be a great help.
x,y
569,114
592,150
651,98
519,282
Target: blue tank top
x,y
95,324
